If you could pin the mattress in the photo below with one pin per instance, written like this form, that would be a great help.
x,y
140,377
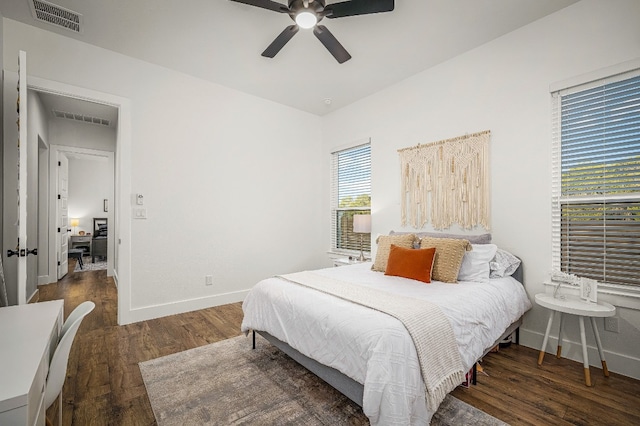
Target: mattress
x,y
373,348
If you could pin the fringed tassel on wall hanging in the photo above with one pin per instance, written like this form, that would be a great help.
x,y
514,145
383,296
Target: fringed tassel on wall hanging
x,y
446,183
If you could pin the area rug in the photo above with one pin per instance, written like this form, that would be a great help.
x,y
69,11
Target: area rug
x,y
87,265
228,383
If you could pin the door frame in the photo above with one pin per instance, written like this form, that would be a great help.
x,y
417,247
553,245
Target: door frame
x,y
121,227
54,150
58,228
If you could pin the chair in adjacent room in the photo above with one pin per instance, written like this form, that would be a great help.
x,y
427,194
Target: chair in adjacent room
x,y
99,242
58,365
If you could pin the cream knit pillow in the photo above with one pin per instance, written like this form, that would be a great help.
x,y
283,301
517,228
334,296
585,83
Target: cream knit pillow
x,y
384,247
449,254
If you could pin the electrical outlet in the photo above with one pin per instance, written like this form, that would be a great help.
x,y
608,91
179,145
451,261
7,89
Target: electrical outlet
x,y
208,280
611,324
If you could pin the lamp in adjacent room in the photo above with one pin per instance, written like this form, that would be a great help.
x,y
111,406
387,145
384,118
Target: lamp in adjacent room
x,y
74,223
361,225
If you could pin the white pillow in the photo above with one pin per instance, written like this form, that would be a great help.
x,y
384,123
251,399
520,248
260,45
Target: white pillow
x,y
475,263
504,264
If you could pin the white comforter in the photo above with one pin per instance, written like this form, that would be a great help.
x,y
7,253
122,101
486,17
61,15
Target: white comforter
x,y
373,348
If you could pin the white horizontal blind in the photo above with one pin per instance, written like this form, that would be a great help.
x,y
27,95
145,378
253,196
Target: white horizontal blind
x,y
350,195
596,181
555,182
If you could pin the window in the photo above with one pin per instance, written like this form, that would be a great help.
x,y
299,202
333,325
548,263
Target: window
x,y
350,195
596,181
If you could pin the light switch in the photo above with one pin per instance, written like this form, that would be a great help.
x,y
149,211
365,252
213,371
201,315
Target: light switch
x,y
140,213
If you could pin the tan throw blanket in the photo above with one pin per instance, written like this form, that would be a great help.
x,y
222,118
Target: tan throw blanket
x,y
430,330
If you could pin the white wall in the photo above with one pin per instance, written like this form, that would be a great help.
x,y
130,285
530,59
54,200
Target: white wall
x,y
232,183
90,182
37,130
502,86
82,135
9,185
43,211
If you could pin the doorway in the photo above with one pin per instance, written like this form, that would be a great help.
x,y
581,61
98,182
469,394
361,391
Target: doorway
x,y
86,196
80,177
120,160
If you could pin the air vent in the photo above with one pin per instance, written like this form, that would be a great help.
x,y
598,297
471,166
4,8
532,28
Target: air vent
x,y
81,117
56,15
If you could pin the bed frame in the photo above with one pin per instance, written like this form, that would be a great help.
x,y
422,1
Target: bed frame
x,y
349,387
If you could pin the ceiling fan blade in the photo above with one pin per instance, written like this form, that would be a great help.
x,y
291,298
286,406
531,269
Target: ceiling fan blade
x,y
331,43
266,4
280,41
358,7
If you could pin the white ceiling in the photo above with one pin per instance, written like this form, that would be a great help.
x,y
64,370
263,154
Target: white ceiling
x,y
221,41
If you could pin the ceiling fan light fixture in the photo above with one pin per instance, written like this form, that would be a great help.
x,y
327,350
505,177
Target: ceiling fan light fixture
x,y
306,19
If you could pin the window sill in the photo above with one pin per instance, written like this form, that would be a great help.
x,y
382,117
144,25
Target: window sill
x,y
617,295
347,253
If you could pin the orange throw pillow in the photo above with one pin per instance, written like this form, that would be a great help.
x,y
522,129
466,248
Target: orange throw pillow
x,y
415,264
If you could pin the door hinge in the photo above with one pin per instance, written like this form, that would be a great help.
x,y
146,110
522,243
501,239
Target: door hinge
x,y
59,163
59,263
58,229
59,197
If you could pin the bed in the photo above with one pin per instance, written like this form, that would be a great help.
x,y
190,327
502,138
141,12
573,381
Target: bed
x,y
368,355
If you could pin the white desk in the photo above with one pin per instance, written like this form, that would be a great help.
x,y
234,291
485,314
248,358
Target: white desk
x,y
28,336
576,306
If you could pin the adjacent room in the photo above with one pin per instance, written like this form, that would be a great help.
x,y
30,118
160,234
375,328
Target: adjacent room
x,y
320,212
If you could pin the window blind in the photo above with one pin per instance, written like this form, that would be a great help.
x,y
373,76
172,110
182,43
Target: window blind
x,y
350,195
596,180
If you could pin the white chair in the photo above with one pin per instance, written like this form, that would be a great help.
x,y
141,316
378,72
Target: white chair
x,y
60,359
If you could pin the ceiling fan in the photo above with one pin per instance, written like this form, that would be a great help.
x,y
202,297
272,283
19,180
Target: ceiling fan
x,y
308,13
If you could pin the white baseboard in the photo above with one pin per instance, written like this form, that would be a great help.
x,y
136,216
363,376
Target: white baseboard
x,y
44,279
618,363
157,311
35,296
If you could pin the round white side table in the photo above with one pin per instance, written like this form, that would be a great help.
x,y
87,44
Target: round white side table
x,y
576,306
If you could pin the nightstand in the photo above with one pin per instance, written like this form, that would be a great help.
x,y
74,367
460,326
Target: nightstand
x,y
81,242
342,261
575,306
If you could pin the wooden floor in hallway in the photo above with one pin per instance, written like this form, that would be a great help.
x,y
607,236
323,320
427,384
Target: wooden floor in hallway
x,y
104,385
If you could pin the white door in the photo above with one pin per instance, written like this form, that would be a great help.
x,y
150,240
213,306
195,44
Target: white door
x,y
21,250
62,215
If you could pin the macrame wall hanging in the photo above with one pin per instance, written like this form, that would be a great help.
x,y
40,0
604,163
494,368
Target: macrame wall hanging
x,y
446,183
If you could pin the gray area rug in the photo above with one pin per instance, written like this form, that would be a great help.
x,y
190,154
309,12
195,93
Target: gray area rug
x,y
228,383
87,265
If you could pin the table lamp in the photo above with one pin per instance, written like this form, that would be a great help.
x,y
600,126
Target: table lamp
x,y
74,223
361,225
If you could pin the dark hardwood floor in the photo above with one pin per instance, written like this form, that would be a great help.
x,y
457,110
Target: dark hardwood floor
x,y
104,385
